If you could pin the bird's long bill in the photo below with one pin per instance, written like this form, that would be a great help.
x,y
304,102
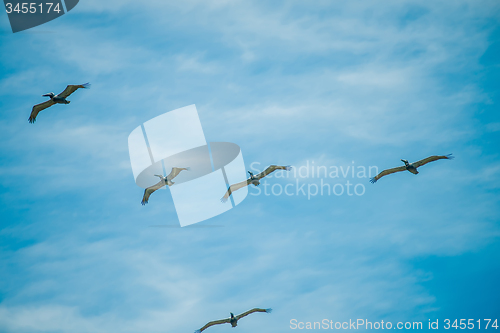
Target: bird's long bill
x,y
46,95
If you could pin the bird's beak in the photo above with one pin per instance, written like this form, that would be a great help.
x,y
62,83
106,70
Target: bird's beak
x,y
46,95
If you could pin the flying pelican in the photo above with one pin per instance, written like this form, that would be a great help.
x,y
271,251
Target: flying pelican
x,y
163,181
233,320
56,99
412,167
253,179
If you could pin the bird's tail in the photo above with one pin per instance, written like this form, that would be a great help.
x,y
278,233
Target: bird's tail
x,y
269,310
86,85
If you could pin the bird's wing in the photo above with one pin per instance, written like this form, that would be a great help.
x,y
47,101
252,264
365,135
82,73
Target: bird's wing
x,y
151,189
272,168
387,172
235,187
432,159
238,317
215,322
71,88
175,172
39,107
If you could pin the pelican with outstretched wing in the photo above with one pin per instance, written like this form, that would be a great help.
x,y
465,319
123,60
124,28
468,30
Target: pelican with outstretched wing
x,y
163,181
253,180
412,167
233,320
56,99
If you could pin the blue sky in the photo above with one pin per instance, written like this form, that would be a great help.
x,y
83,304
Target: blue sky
x,y
291,83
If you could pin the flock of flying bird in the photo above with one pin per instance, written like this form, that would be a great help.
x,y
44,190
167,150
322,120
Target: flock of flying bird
x,y
253,179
